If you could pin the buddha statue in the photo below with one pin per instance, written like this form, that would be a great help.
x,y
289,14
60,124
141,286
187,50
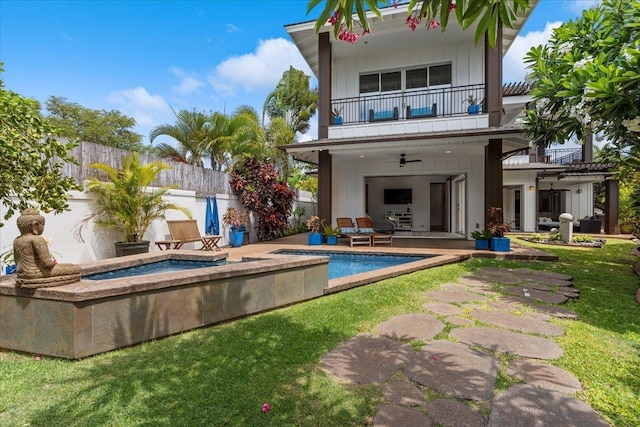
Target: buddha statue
x,y
36,267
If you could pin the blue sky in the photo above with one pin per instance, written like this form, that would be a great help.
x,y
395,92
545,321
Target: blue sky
x,y
146,57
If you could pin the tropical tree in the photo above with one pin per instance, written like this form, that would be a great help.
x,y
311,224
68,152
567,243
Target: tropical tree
x,y
32,158
293,100
192,131
278,134
110,128
434,13
588,79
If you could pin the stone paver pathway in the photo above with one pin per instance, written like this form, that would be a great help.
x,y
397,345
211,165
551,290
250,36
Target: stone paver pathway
x,y
451,383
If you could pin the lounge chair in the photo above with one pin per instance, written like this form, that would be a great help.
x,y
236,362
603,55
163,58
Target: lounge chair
x,y
186,231
365,226
349,230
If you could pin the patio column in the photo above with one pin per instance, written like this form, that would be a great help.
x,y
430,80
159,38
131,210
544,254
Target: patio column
x,y
493,76
587,148
324,186
492,176
611,200
324,85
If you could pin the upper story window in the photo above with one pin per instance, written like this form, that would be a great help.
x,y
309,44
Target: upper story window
x,y
415,78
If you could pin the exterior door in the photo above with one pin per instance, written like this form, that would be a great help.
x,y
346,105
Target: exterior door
x,y
438,206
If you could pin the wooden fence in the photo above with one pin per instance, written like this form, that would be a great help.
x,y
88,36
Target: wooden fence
x,y
184,176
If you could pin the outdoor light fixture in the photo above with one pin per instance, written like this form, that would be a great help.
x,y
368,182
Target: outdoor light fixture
x,y
532,188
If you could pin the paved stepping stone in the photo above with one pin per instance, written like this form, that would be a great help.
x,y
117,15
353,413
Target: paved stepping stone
x,y
545,376
550,282
506,279
404,393
485,286
461,287
460,321
508,342
443,308
535,295
538,286
414,326
395,416
536,315
569,293
524,405
455,296
451,413
551,310
455,370
506,306
520,323
548,275
367,359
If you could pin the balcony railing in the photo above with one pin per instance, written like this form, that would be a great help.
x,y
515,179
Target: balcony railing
x,y
564,156
412,104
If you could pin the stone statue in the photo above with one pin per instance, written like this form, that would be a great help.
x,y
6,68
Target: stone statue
x,y
36,268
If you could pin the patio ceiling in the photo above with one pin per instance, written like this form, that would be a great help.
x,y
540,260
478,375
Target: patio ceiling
x,y
390,33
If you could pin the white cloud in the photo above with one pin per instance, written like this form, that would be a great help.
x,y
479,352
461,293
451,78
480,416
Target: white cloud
x,y
233,29
148,110
513,65
188,83
257,71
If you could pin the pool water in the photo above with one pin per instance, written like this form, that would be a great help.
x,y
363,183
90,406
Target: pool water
x,y
343,264
165,266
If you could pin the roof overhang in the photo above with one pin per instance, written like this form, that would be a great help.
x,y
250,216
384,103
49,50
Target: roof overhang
x,y
451,143
389,32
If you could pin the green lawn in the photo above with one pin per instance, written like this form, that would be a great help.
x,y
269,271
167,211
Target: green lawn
x,y
221,376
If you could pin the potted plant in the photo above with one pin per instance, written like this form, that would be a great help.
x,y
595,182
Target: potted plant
x,y
331,234
474,107
497,227
337,115
313,225
237,220
125,203
482,239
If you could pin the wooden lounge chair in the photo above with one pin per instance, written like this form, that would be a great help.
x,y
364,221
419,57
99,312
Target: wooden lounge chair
x,y
348,230
365,226
186,231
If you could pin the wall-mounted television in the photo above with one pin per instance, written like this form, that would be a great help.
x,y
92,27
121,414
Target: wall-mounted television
x,y
397,196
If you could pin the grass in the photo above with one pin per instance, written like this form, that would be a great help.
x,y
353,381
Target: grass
x,y
221,376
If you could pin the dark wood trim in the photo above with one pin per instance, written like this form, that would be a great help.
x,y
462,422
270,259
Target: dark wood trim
x,y
611,200
324,186
492,176
587,148
493,77
324,85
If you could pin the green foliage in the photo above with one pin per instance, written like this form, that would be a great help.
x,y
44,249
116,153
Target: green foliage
x,y
124,202
582,238
328,230
588,80
481,234
32,160
485,12
110,128
537,237
293,100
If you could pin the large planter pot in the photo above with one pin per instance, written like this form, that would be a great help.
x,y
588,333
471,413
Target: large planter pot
x,y
482,244
626,228
315,239
332,240
236,236
131,248
500,244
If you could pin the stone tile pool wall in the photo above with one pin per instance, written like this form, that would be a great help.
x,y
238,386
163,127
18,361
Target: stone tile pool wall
x,y
90,317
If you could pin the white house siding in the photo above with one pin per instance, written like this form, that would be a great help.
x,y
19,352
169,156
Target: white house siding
x,y
467,65
349,176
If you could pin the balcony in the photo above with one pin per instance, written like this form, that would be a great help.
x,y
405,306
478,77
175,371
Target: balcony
x,y
407,105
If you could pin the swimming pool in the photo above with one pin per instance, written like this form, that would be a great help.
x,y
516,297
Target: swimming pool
x,y
165,266
343,264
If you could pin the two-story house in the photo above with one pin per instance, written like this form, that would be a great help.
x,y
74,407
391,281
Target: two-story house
x,y
412,124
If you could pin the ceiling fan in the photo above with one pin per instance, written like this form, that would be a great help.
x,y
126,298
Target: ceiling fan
x,y
404,161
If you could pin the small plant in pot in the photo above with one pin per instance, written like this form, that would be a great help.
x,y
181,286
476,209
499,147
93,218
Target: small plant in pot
x,y
313,225
497,227
125,203
482,238
473,106
237,220
331,234
337,115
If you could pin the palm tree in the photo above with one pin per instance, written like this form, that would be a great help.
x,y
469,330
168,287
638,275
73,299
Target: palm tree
x,y
293,100
278,133
192,131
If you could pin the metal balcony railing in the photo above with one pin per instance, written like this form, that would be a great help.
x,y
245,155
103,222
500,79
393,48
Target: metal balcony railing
x,y
406,105
564,156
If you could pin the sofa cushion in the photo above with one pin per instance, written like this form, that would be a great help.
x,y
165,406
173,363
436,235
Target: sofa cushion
x,y
382,115
348,230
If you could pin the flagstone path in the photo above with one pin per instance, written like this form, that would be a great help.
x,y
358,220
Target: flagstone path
x,y
454,383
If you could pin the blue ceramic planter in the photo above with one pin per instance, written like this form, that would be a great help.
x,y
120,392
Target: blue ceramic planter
x,y
332,240
500,244
474,109
315,238
236,236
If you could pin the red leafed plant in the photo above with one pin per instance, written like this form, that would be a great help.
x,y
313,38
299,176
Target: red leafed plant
x,y
262,192
496,224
